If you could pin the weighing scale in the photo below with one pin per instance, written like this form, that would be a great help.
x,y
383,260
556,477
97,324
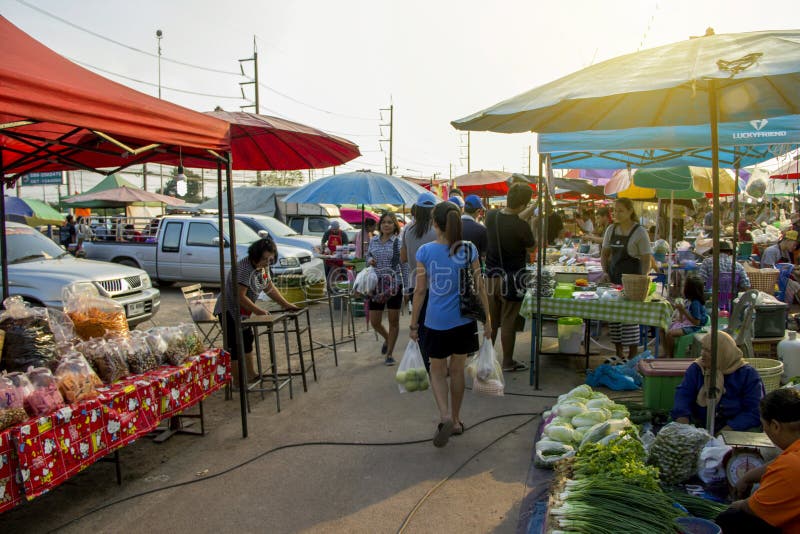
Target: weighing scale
x,y
746,453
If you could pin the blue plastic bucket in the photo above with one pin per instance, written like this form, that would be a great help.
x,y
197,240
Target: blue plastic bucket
x,y
695,525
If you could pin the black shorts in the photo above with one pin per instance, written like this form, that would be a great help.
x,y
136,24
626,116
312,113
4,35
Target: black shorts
x,y
438,344
247,337
395,302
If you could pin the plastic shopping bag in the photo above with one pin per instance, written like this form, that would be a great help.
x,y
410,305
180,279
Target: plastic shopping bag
x,y
411,374
366,282
711,465
486,372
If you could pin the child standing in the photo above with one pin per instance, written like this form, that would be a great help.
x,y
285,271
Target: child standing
x,y
690,316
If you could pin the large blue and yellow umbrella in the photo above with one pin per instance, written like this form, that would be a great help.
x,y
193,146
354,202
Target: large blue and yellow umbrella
x,y
32,212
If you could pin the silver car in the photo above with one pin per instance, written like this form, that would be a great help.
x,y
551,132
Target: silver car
x,y
39,269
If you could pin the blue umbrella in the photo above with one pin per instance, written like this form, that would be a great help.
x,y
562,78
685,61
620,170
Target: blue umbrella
x,y
32,212
359,187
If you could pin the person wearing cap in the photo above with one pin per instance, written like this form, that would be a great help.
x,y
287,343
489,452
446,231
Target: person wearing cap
x,y
333,237
456,192
775,505
458,201
725,262
471,229
415,235
780,252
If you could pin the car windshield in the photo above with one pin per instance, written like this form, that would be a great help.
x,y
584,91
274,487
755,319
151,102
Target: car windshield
x,y
244,234
274,226
26,244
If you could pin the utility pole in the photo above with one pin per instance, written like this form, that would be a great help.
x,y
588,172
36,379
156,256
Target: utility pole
x,y
529,160
390,140
159,35
254,82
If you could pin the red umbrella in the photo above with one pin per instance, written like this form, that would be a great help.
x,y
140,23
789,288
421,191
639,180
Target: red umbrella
x,y
788,171
261,142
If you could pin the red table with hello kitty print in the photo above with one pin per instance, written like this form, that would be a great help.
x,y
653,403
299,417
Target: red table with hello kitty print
x,y
42,453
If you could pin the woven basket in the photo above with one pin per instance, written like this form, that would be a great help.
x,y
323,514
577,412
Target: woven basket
x,y
763,279
315,291
491,387
636,286
769,370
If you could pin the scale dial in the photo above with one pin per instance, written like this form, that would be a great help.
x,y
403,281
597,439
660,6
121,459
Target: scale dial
x,y
740,462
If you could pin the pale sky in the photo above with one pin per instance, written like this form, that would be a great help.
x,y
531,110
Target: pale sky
x,y
436,61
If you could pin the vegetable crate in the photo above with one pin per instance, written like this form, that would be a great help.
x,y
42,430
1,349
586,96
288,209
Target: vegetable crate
x,y
661,379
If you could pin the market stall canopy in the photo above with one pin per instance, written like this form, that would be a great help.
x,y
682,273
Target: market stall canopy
x,y
359,187
596,176
251,200
788,171
745,142
120,197
659,87
261,142
56,115
32,212
683,180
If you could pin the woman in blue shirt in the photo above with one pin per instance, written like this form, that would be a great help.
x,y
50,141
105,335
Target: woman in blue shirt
x,y
741,388
447,333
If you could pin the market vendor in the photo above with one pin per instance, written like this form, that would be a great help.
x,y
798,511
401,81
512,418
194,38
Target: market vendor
x,y
626,250
775,505
780,252
741,388
333,237
252,275
725,263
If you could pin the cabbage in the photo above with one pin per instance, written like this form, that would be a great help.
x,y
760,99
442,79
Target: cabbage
x,y
618,424
591,417
611,437
560,420
596,433
569,408
552,448
598,395
562,433
600,403
546,414
581,392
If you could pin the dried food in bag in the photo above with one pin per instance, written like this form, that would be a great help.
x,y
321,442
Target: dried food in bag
x,y
45,397
77,380
191,339
29,341
12,407
92,315
106,359
138,355
176,352
156,343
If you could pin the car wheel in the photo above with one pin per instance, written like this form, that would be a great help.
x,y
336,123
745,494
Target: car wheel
x,y
166,283
128,263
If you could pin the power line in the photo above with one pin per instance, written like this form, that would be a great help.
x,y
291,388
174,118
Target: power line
x,y
151,84
118,43
293,99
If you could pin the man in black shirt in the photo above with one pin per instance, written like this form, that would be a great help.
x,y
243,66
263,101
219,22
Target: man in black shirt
x,y
471,229
509,241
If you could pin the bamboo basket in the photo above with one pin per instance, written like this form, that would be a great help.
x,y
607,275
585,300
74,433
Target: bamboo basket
x,y
763,280
636,286
769,370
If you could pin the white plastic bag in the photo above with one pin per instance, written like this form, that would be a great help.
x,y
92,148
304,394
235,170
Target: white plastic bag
x,y
486,371
411,373
366,282
710,466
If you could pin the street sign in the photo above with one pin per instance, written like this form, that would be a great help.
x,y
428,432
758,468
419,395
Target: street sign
x,y
43,178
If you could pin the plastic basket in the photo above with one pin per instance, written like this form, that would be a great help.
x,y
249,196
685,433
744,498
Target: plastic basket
x,y
315,291
769,370
636,286
763,280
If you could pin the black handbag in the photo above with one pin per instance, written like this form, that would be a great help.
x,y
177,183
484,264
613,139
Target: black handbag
x,y
470,302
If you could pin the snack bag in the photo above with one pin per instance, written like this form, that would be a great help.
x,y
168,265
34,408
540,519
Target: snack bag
x,y
191,339
106,359
12,407
411,373
177,352
76,378
45,397
29,341
93,315
138,355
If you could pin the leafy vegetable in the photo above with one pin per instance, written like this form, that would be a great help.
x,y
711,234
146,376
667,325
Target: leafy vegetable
x,y
562,433
569,408
698,506
591,417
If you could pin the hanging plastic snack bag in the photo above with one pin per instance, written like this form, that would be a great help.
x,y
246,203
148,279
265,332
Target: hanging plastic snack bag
x,y
29,341
12,407
191,339
63,330
411,373
158,346
93,315
76,379
106,359
45,397
488,372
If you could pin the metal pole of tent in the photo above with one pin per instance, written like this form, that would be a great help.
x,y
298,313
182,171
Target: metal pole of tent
x,y
712,390
237,316
536,324
671,244
221,222
3,249
735,230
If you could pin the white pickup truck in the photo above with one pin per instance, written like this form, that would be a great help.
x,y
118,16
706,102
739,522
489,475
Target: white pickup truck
x,y
185,248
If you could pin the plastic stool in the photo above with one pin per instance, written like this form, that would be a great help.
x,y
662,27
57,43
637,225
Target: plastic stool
x,y
685,342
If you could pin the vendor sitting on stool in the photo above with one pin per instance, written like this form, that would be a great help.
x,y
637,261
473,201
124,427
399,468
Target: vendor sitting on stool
x,y
775,505
740,388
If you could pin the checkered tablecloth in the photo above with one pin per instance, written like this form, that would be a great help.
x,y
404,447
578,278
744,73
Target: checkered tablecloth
x,y
617,311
